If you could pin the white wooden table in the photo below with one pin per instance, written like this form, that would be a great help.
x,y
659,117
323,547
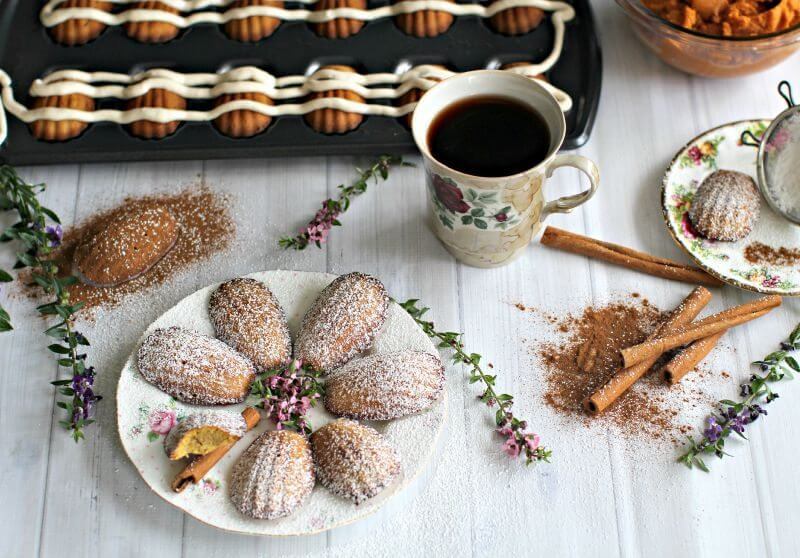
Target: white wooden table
x,y
601,497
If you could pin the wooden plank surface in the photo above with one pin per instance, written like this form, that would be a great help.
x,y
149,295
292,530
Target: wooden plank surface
x,y
602,496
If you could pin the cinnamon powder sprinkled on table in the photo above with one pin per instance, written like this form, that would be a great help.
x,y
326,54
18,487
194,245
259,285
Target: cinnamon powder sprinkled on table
x,y
759,253
205,227
589,356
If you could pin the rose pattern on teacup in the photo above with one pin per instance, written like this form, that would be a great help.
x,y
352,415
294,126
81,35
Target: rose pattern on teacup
x,y
470,207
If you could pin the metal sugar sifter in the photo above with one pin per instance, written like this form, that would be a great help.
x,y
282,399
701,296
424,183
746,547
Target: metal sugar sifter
x,y
778,160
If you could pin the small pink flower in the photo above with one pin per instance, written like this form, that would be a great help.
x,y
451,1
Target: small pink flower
x,y
161,422
208,487
511,447
771,281
695,154
532,441
687,227
501,217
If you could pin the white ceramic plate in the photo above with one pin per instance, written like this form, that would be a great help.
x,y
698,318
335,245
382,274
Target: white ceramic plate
x,y
145,413
720,148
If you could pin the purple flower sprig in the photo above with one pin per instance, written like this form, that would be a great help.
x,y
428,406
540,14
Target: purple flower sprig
x,y
733,417
286,394
37,240
317,230
517,440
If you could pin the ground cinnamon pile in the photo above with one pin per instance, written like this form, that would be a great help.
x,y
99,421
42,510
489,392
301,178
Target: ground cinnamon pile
x,y
759,253
589,356
205,227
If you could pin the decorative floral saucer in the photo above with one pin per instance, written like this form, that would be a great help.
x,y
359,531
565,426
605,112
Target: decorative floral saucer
x,y
145,416
721,148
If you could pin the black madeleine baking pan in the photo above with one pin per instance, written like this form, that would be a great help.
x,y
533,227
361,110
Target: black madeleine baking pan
x,y
27,52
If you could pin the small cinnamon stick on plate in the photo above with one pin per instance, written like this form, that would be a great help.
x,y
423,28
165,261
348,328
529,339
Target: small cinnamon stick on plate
x,y
706,327
626,257
202,464
686,360
624,378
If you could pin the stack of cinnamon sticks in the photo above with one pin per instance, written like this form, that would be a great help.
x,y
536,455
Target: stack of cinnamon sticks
x,y
679,329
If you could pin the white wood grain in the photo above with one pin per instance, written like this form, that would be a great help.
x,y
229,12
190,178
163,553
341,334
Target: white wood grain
x,y
602,496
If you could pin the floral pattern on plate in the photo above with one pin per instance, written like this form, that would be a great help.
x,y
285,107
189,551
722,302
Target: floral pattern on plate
x,y
721,148
156,420
470,207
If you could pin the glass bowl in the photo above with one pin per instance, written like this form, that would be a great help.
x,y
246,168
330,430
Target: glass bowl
x,y
706,55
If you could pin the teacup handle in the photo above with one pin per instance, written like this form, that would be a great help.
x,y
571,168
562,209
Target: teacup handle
x,y
568,203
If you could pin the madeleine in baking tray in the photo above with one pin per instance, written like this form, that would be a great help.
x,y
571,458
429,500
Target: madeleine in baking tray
x,y
424,23
413,96
247,316
511,65
155,98
334,121
152,31
274,476
339,28
517,21
353,460
385,386
342,322
242,123
61,130
254,28
75,31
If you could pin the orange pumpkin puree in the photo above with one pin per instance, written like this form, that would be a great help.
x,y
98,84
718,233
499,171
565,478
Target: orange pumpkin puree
x,y
729,18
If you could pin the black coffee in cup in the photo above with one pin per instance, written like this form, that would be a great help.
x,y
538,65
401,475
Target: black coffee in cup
x,y
489,135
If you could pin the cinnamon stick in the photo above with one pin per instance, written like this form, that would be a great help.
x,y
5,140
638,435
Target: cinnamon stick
x,y
202,464
626,257
624,378
706,327
686,360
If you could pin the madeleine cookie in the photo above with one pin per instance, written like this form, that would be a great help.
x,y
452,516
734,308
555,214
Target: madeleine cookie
x,y
274,476
254,28
517,21
424,23
726,206
413,96
334,121
339,28
385,386
342,322
247,316
129,245
152,31
195,368
202,433
353,460
155,98
73,32
242,123
61,130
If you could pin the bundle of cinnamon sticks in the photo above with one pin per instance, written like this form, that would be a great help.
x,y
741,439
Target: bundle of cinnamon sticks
x,y
678,330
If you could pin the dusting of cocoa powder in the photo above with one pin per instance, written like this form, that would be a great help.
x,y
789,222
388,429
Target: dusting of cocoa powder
x,y
204,224
589,356
759,253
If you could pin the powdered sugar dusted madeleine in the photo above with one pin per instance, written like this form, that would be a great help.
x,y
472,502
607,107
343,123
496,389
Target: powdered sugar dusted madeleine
x,y
247,316
77,31
194,368
152,31
342,322
253,28
340,27
274,476
242,123
385,386
353,460
61,130
128,246
203,432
